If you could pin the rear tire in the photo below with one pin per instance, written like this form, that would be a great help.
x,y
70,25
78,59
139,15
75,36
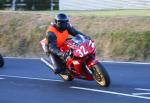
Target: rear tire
x,y
1,61
100,75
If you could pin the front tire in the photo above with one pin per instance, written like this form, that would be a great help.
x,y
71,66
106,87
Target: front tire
x,y
100,75
1,61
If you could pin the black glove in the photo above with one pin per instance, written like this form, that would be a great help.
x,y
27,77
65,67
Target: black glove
x,y
67,54
87,37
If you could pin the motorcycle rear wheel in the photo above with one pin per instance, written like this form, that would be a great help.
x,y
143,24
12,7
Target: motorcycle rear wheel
x,y
1,61
100,75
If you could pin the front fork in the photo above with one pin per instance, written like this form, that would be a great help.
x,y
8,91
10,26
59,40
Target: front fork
x,y
90,64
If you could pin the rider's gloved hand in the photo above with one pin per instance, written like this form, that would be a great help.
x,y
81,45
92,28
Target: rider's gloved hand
x,y
68,54
87,37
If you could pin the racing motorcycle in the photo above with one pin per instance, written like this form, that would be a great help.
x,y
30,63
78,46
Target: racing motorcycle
x,y
1,61
82,62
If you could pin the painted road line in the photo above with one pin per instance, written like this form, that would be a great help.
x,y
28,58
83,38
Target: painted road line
x,y
2,78
30,78
110,92
140,93
21,58
142,89
125,62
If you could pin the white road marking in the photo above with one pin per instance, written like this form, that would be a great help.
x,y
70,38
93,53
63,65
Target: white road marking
x,y
2,78
119,62
140,93
30,78
21,58
110,92
142,89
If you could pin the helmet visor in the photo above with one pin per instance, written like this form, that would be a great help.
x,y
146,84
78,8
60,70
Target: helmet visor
x,y
62,25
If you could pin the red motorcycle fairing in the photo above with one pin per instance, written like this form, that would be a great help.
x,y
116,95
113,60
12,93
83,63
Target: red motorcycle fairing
x,y
43,43
91,62
78,69
84,49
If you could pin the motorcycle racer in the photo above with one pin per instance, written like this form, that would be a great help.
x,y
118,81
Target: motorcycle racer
x,y
56,35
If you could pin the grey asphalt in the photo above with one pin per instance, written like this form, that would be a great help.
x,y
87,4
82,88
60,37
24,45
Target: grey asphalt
x,y
31,81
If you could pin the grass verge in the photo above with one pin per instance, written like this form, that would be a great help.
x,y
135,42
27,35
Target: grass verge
x,y
119,35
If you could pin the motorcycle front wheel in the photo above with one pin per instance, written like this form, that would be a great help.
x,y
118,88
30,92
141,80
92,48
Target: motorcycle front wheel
x,y
100,75
1,61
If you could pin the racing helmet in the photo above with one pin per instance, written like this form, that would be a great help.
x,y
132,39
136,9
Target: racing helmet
x,y
61,21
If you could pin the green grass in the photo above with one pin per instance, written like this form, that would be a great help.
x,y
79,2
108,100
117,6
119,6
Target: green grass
x,y
139,12
111,13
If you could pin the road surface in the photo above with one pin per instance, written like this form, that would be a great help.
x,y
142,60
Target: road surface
x,y
31,81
